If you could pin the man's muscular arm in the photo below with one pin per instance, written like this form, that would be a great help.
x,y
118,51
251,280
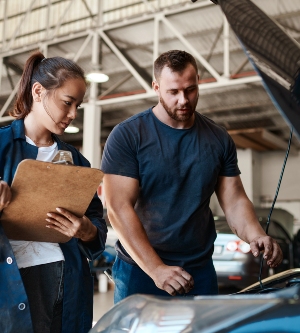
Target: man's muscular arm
x,y
121,194
240,215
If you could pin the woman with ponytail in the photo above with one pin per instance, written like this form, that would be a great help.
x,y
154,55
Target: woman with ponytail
x,y
47,287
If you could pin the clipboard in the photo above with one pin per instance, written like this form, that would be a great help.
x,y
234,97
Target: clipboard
x,y
38,188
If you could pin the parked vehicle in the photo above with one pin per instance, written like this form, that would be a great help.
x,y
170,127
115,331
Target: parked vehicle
x,y
235,264
273,307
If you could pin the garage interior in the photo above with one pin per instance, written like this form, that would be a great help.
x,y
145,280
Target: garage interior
x,y
122,38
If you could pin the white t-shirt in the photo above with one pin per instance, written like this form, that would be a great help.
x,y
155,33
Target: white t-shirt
x,y
30,253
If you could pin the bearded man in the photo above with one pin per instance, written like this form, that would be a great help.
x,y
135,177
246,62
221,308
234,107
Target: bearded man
x,y
161,168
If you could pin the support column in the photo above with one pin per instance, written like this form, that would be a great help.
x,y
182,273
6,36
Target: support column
x,y
226,55
91,134
155,40
92,117
249,163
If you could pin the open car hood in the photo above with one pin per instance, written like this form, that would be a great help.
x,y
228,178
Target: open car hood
x,y
274,283
274,55
233,313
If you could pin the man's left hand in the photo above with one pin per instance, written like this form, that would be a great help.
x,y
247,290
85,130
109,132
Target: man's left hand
x,y
272,251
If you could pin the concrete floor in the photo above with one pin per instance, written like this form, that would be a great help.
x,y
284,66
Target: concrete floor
x,y
103,301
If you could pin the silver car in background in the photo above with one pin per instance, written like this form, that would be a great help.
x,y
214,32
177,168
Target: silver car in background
x,y
234,263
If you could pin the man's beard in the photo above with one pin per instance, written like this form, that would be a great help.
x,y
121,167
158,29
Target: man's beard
x,y
173,112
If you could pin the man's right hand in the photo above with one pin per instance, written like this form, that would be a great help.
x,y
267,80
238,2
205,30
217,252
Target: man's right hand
x,y
121,195
5,195
173,279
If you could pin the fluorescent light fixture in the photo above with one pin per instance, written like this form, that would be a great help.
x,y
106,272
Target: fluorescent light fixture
x,y
97,76
72,129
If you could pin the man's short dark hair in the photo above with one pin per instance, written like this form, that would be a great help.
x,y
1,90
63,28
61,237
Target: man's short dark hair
x,y
176,60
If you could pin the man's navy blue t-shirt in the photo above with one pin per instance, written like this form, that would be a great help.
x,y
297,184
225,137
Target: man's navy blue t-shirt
x,y
177,170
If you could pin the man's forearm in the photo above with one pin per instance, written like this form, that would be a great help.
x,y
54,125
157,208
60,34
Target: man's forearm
x,y
133,237
243,221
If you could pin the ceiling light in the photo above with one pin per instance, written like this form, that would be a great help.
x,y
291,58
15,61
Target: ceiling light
x,y
72,129
97,76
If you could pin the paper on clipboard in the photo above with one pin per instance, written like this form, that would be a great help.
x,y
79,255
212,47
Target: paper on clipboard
x,y
38,188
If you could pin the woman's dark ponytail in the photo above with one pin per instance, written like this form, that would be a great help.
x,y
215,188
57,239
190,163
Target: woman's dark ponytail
x,y
24,99
51,73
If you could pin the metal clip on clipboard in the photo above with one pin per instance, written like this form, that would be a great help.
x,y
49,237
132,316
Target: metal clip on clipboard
x,y
63,157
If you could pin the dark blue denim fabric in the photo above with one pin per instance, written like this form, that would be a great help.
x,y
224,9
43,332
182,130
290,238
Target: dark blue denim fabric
x,y
130,279
44,288
78,286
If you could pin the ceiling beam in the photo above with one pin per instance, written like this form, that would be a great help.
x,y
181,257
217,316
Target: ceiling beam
x,y
259,139
125,61
191,48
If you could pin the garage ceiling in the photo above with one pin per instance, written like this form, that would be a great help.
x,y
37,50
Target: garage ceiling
x,y
129,35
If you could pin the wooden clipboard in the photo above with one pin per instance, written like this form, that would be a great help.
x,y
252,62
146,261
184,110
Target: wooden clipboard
x,y
38,188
